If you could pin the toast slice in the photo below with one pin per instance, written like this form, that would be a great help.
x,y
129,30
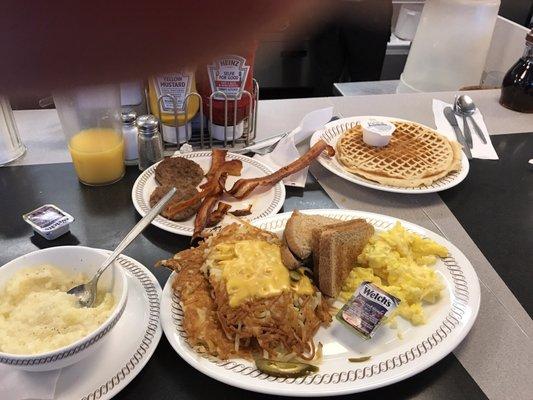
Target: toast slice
x,y
287,258
316,235
335,252
298,232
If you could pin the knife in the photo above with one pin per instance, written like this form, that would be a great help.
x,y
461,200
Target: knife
x,y
468,135
450,116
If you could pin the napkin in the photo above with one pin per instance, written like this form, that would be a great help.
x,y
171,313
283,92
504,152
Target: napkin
x,y
283,154
286,152
480,149
16,384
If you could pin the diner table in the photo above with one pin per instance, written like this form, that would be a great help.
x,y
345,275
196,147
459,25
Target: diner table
x,y
489,216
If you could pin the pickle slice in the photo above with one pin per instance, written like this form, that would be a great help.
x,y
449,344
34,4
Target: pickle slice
x,y
295,276
284,369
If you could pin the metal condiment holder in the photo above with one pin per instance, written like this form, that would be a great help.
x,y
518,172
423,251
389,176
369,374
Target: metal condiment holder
x,y
202,138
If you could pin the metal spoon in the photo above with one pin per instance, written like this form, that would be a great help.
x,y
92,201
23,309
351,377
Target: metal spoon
x,y
86,292
466,106
466,128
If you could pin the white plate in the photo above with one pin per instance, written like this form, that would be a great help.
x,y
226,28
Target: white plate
x,y
126,349
333,130
393,359
264,202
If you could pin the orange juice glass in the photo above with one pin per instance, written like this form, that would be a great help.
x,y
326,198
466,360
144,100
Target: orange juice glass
x,y
90,118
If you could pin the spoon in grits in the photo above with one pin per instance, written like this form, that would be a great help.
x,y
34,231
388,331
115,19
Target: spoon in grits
x,y
86,292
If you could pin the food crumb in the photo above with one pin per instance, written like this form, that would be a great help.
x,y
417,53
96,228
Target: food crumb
x,y
359,359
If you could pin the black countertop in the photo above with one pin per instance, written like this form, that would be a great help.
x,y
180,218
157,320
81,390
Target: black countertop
x,y
493,204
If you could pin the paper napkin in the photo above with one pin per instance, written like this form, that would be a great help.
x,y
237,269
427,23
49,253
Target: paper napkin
x,y
16,384
480,149
286,152
283,154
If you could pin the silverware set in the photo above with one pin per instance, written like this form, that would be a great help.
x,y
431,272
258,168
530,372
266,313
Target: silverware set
x,y
464,107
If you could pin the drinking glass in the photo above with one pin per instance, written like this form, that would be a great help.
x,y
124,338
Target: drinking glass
x,y
11,146
90,118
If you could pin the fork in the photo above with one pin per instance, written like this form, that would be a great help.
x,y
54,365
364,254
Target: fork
x,y
265,150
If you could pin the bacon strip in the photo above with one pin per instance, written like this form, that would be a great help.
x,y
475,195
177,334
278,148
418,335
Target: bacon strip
x,y
243,187
216,185
211,186
203,214
218,158
242,212
216,216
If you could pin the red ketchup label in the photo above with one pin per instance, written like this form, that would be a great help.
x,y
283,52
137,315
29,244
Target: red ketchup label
x,y
228,75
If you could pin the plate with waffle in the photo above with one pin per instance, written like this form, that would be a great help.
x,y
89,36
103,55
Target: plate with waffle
x,y
418,159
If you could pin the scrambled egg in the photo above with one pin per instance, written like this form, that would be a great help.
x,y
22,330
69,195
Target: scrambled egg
x,y
399,262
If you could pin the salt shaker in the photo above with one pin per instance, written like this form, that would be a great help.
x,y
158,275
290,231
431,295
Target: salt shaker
x,y
129,131
149,141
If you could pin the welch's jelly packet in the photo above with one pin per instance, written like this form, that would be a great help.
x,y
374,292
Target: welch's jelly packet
x,y
367,308
49,221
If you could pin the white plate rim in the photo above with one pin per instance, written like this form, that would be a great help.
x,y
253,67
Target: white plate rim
x,y
457,264
152,335
176,227
328,134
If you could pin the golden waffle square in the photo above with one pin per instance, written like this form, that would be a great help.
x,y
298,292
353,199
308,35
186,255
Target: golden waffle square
x,y
415,156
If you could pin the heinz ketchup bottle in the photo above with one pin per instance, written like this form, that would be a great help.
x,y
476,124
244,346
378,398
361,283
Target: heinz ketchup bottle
x,y
230,74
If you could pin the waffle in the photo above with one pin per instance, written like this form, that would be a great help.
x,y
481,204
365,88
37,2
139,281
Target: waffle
x,y
415,156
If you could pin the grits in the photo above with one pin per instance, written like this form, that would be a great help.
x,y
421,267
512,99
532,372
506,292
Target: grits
x,y
37,315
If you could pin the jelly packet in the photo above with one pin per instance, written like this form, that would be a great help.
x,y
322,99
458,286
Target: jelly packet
x,y
366,309
49,221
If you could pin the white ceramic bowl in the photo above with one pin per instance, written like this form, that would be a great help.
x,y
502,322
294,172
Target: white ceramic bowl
x,y
71,259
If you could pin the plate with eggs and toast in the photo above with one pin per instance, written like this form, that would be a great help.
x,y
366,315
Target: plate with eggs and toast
x,y
318,302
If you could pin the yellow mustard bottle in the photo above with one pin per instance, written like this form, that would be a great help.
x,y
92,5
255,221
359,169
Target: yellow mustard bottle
x,y
178,85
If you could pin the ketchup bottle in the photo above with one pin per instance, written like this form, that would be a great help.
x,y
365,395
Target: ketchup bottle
x,y
230,74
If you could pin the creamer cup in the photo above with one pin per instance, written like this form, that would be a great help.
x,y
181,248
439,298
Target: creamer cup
x,y
376,132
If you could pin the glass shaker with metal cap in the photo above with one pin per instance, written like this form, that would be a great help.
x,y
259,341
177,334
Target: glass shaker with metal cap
x,y
149,141
129,131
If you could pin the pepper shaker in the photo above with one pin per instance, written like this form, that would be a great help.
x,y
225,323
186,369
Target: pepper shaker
x,y
149,141
129,131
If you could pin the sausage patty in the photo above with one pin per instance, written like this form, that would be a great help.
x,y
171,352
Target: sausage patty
x,y
178,171
183,193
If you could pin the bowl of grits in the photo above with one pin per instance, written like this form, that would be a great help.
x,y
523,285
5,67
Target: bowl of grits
x,y
41,326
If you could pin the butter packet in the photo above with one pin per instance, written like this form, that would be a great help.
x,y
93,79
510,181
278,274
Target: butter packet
x,y
366,309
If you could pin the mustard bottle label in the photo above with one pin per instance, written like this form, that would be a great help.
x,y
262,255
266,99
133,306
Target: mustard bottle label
x,y
176,84
228,75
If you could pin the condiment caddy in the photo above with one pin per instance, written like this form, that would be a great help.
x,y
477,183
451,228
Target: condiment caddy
x,y
213,136
221,95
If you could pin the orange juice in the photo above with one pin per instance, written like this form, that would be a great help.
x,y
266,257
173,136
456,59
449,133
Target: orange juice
x,y
98,155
